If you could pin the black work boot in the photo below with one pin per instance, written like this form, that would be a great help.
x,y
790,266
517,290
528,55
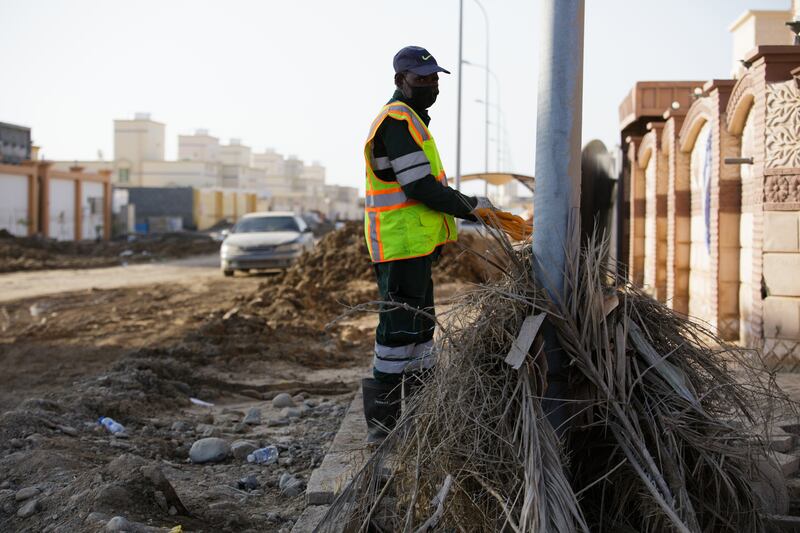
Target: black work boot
x,y
414,381
381,408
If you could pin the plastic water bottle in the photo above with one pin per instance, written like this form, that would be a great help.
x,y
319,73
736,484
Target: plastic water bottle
x,y
111,425
263,456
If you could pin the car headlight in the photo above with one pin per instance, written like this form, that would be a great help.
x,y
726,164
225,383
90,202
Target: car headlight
x,y
229,249
289,247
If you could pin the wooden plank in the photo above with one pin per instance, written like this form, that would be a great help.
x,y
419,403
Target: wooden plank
x,y
522,344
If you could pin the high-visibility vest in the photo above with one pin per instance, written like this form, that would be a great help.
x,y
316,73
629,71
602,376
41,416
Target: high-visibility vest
x,y
395,226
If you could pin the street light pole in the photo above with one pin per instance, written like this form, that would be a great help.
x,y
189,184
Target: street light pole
x,y
558,176
458,105
486,94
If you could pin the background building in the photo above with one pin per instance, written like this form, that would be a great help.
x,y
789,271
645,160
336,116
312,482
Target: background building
x,y
711,188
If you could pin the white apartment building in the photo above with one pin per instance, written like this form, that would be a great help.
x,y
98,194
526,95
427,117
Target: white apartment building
x,y
203,162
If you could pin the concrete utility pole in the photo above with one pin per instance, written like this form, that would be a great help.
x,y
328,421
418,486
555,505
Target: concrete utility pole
x,y
556,199
460,72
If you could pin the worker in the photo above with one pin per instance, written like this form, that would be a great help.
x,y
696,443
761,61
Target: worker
x,y
409,216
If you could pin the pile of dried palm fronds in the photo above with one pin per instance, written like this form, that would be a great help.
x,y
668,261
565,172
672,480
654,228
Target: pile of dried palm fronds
x,y
666,431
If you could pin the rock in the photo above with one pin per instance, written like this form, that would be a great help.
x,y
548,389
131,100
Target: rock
x,y
780,440
124,465
248,483
97,517
290,486
17,443
119,523
253,417
299,397
68,430
112,496
180,426
161,500
24,494
29,509
209,450
282,400
5,484
241,449
277,422
311,403
291,412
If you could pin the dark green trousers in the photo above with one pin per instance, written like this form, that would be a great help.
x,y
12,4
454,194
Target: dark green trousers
x,y
407,281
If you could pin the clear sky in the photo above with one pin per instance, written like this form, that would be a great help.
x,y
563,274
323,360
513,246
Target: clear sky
x,y
306,77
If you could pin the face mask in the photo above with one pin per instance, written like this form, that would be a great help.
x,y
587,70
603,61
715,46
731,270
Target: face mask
x,y
423,97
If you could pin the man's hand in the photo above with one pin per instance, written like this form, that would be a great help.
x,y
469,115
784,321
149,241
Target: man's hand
x,y
483,203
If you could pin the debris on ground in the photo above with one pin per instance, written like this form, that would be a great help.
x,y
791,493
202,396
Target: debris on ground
x,y
338,273
664,427
38,253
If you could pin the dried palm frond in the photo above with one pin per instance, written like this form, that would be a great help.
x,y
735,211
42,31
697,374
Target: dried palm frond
x,y
665,433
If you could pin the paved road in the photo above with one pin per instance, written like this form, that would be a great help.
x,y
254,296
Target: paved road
x,y
18,285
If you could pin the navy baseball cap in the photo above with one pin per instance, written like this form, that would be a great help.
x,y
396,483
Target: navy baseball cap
x,y
417,60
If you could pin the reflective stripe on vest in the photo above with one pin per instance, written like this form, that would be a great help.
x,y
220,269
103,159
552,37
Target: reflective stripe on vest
x,y
396,227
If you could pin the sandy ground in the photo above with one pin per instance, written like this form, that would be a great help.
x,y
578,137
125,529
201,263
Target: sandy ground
x,y
18,285
136,343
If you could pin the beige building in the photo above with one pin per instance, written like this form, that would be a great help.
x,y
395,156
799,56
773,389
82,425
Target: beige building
x,y
136,141
198,147
711,180
204,163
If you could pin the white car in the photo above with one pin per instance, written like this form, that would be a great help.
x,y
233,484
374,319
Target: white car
x,y
269,240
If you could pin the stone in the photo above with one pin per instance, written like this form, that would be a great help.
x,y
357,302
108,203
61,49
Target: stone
x,y
782,317
161,500
277,422
28,509
5,484
180,426
780,441
788,464
241,449
780,274
253,417
208,450
97,517
291,412
24,494
17,443
248,483
112,496
299,397
119,523
68,430
290,486
311,403
282,400
781,232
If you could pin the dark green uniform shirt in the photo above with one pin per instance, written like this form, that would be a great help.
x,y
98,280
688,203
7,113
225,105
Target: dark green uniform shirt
x,y
393,140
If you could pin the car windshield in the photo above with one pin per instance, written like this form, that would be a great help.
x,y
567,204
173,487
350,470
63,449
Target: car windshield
x,y
263,224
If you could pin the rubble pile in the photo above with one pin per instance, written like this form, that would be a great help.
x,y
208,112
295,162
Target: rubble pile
x,y
37,253
338,273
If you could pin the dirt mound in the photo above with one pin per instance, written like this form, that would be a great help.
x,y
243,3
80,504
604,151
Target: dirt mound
x,y
338,273
37,253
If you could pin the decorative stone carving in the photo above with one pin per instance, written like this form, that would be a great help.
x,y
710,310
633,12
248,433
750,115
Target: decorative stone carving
x,y
783,132
782,188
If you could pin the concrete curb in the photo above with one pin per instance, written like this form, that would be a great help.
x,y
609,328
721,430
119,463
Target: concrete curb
x,y
347,454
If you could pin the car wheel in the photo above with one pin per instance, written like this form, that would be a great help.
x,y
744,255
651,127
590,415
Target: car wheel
x,y
227,273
